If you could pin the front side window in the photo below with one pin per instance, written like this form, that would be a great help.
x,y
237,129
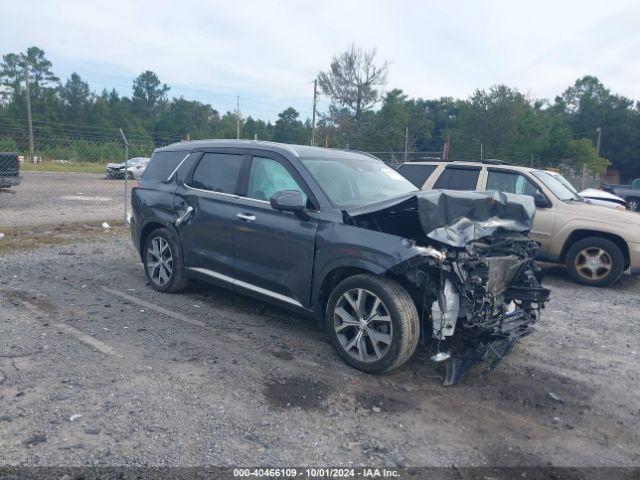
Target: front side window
x,y
458,179
510,182
267,177
217,172
357,180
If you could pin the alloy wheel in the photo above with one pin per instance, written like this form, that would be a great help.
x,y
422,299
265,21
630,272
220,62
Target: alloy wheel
x,y
593,263
363,325
159,261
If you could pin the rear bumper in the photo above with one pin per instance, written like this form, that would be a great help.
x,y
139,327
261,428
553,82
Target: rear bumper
x,y
6,182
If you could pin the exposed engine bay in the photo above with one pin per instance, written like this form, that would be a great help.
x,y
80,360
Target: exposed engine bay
x,y
474,280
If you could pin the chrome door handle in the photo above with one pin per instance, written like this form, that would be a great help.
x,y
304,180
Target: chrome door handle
x,y
246,217
184,216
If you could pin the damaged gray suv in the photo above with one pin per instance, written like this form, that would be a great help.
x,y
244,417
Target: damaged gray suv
x,y
341,236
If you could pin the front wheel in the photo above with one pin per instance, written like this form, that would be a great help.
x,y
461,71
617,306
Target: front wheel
x,y
162,259
633,204
595,261
373,323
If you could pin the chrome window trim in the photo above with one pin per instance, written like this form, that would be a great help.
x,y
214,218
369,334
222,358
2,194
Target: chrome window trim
x,y
233,195
248,286
176,169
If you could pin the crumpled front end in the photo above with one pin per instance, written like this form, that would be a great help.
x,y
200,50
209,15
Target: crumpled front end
x,y
474,279
478,302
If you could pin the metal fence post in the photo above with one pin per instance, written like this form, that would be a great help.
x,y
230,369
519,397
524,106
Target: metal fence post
x,y
126,174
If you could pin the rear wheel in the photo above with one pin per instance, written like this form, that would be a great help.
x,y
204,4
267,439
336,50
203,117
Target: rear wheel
x,y
373,323
595,261
162,259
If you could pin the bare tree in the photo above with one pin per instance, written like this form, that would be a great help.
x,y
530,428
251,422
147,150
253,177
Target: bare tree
x,y
351,82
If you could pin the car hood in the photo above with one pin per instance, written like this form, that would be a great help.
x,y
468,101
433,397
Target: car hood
x,y
602,214
451,217
115,165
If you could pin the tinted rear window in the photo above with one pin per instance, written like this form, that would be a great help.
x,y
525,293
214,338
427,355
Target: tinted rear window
x,y
162,164
458,179
416,174
218,172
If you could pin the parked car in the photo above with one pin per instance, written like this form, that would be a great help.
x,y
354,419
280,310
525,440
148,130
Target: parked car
x,y
135,168
630,193
9,170
601,197
341,236
595,243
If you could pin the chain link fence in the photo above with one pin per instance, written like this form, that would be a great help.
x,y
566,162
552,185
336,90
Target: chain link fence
x,y
65,181
64,176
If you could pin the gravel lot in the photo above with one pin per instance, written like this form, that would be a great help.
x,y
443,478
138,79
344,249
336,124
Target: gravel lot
x,y
43,198
98,369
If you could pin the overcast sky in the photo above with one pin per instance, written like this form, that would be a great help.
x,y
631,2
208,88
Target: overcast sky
x,y
268,52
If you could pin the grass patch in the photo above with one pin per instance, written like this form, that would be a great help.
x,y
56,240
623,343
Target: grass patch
x,y
77,167
18,239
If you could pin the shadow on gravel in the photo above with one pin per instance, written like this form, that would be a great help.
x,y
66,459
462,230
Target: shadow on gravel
x,y
295,392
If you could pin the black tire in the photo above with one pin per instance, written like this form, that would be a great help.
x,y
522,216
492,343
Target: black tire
x,y
633,204
177,280
400,308
613,253
129,175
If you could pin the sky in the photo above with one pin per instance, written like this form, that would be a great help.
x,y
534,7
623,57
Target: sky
x,y
269,52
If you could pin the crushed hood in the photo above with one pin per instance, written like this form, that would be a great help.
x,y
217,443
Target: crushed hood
x,y
451,217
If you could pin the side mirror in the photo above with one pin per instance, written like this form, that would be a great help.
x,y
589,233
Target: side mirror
x,y
288,201
541,201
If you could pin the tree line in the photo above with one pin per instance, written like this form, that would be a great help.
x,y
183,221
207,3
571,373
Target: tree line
x,y
587,124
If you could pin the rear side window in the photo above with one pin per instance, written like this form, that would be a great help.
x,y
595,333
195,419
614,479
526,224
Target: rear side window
x,y
163,164
458,179
218,172
416,174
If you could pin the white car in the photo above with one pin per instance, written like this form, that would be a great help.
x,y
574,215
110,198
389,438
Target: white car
x,y
600,197
593,195
135,168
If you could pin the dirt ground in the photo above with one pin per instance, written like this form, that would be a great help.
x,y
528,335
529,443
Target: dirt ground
x,y
98,369
43,198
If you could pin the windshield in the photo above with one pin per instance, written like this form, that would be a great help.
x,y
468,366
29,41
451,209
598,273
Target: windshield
x,y
351,182
565,182
557,187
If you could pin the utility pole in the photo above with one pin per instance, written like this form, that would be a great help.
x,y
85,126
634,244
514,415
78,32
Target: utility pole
x,y
26,81
313,118
238,117
406,143
481,152
598,138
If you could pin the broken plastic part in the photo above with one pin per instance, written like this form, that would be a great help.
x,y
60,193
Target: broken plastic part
x,y
441,357
445,317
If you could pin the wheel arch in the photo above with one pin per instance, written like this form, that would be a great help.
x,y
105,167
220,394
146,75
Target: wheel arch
x,y
333,275
146,230
581,234
336,273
